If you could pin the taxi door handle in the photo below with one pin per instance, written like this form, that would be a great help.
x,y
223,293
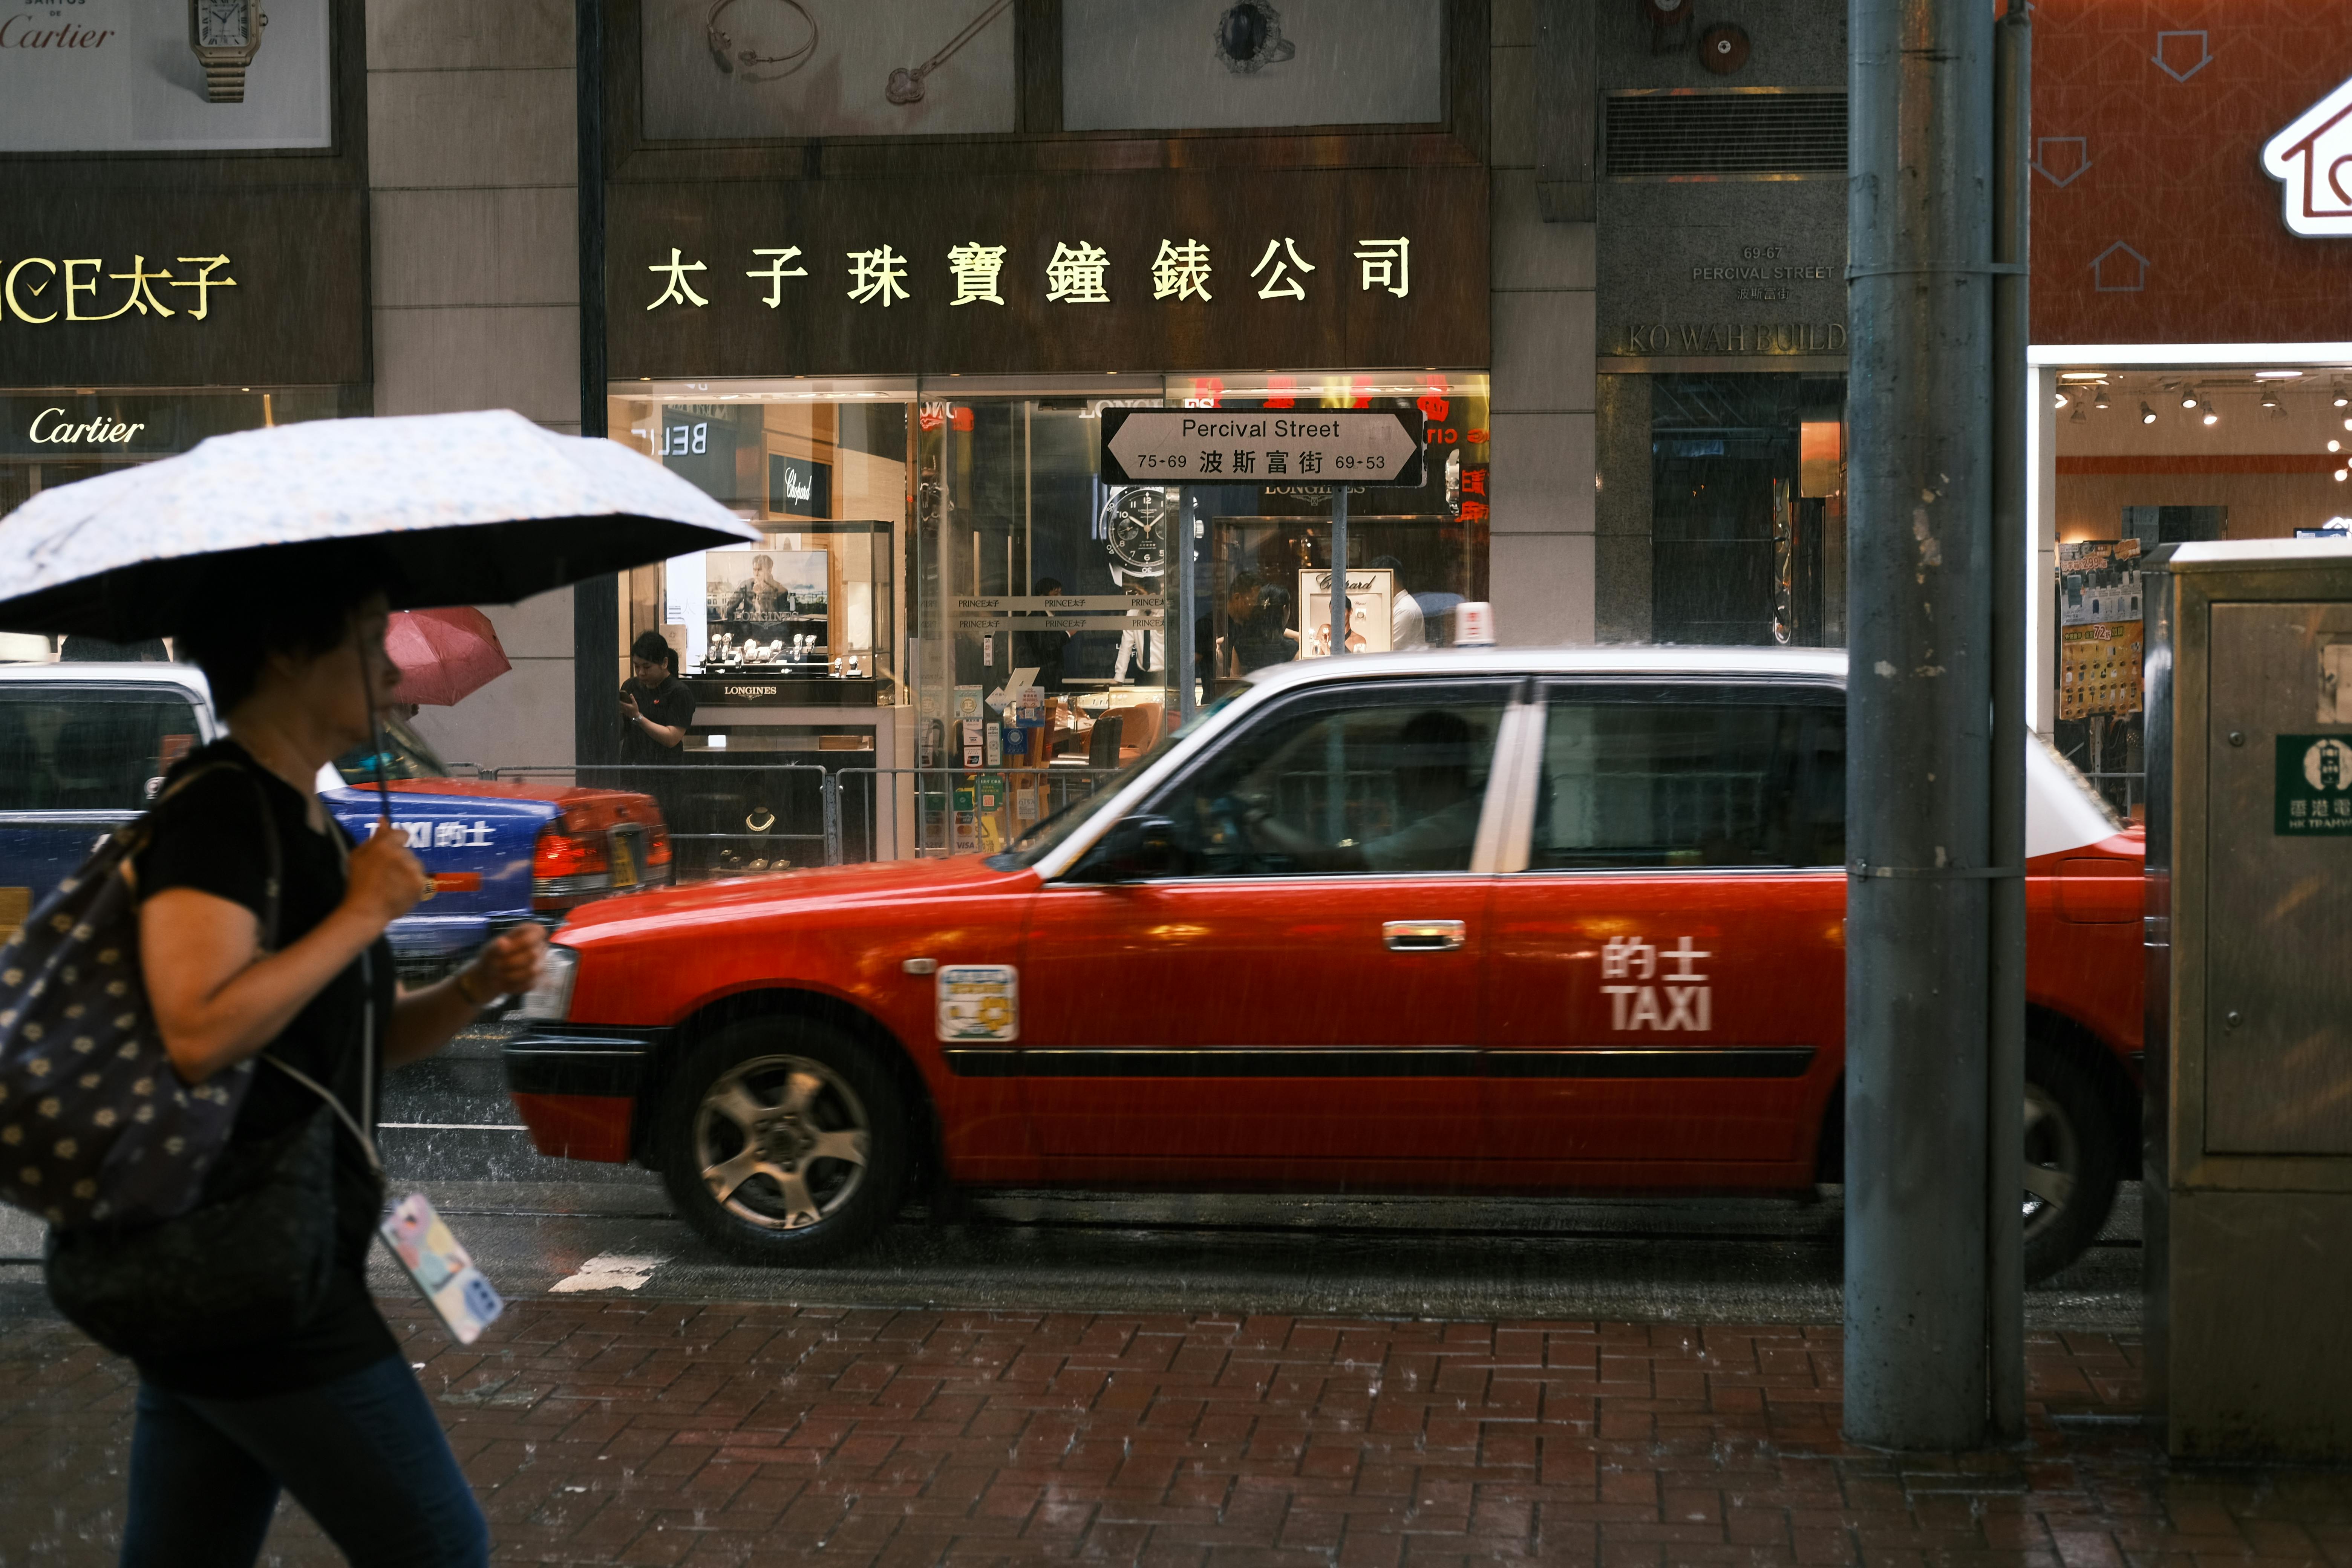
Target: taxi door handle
x,y
1423,936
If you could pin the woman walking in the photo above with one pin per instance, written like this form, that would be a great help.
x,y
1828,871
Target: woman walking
x,y
330,1411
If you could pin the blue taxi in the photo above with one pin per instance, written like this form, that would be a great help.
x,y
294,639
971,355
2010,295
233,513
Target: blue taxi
x,y
84,747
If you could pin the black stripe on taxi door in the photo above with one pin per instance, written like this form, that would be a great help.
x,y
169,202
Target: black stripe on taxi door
x,y
1440,1061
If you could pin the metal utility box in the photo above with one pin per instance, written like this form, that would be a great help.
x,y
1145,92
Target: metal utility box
x,y
2248,1176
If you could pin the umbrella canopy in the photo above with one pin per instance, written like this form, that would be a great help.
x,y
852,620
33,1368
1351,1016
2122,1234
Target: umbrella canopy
x,y
445,655
443,509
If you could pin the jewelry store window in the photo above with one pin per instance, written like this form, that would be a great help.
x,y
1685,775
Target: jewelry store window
x,y
789,647
1015,528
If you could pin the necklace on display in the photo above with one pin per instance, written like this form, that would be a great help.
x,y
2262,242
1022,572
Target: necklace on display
x,y
907,86
729,59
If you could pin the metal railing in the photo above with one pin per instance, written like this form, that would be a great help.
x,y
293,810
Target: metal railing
x,y
725,818
905,814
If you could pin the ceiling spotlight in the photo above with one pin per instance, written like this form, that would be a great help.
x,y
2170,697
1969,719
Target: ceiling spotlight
x,y
2188,397
2148,414
2211,417
2100,400
2060,401
2078,417
2341,473
2343,398
2335,446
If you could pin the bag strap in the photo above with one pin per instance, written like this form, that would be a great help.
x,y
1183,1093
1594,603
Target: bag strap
x,y
367,1040
137,834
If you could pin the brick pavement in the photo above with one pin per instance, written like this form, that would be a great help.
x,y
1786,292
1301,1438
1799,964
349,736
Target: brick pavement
x,y
684,1436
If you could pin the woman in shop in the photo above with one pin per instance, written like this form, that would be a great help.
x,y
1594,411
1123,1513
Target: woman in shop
x,y
328,1410
657,706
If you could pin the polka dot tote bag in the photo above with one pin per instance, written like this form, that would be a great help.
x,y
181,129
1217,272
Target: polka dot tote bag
x,y
95,1122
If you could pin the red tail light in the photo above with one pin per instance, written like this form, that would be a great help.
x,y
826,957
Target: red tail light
x,y
566,868
657,850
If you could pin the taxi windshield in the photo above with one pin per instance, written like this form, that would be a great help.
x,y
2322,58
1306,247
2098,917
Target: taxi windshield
x,y
404,755
1041,840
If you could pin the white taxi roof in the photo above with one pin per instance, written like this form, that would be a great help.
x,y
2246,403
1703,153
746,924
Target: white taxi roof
x,y
1737,663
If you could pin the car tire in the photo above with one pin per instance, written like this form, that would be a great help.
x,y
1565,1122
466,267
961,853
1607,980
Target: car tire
x,y
784,1141
2072,1155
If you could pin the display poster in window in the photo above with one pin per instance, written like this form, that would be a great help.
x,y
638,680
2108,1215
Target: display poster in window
x,y
766,605
2100,630
1371,610
821,68
163,76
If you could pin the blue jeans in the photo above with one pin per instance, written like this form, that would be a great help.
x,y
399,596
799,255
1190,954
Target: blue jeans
x,y
363,1454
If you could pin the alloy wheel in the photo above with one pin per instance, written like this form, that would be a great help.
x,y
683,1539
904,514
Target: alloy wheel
x,y
782,1142
2053,1161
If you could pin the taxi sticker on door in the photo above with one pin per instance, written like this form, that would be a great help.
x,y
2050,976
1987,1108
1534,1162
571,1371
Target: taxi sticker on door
x,y
980,1002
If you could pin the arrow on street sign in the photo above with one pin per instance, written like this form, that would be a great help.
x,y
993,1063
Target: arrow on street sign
x,y
1261,447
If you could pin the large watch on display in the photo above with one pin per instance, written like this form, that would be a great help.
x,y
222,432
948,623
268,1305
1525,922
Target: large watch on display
x,y
1134,523
226,34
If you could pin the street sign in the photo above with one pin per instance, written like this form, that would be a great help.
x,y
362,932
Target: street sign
x,y
1261,447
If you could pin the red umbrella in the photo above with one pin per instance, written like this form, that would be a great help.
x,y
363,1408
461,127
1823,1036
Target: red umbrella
x,y
444,655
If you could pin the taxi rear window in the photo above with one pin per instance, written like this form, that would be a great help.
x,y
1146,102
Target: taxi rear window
x,y
1676,778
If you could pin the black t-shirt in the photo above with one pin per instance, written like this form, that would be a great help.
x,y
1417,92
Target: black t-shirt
x,y
668,703
209,836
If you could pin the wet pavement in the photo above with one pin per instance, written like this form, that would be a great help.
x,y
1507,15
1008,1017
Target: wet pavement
x,y
636,1432
1185,1379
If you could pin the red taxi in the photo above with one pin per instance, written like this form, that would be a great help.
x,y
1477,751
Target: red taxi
x,y
1516,921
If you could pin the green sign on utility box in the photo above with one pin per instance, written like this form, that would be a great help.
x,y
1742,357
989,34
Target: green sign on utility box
x,y
2314,784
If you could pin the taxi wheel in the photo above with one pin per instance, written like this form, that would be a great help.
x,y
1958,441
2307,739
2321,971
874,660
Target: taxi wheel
x,y
2073,1155
784,1141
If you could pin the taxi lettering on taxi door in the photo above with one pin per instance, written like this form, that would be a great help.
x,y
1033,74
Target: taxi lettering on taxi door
x,y
1679,998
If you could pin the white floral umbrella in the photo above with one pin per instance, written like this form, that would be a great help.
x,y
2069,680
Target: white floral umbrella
x,y
441,509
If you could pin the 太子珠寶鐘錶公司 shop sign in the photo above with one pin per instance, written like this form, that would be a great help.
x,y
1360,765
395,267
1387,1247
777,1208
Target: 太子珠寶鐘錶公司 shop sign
x,y
1154,270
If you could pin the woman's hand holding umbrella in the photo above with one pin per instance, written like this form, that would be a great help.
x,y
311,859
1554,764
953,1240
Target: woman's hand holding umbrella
x,y
386,880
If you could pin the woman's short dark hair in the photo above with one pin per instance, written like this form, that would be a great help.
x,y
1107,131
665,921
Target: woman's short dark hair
x,y
651,647
268,610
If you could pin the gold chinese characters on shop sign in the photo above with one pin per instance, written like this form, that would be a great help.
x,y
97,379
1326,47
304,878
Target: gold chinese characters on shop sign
x,y
36,290
1076,274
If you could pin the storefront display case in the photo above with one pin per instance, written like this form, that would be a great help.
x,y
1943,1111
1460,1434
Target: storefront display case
x,y
931,552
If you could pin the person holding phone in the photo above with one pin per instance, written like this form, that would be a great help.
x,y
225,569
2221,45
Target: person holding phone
x,y
655,706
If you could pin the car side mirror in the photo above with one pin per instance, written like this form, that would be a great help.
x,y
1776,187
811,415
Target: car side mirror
x,y
1135,849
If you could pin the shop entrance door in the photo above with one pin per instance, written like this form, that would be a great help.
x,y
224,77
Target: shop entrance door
x,y
1307,990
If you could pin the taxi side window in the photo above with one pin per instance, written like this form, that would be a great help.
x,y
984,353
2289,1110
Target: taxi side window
x,y
1669,782
89,748
1383,778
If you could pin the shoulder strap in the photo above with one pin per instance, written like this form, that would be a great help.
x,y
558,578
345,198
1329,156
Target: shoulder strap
x,y
273,889
367,1144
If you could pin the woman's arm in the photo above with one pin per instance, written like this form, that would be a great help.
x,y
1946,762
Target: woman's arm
x,y
423,1021
217,999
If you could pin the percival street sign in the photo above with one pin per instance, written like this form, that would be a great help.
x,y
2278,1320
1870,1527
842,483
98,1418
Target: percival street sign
x,y
1261,447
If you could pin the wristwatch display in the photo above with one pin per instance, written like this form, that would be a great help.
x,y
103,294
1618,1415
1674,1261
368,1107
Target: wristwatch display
x,y
1134,526
225,34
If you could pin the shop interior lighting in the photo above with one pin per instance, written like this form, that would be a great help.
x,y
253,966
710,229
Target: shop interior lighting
x,y
2340,474
2099,400
2342,397
2211,418
2335,446
2060,401
2188,397
2078,417
2271,405
2148,414
2277,374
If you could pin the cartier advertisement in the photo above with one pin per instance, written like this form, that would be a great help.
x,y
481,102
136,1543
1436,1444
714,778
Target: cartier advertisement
x,y
125,75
